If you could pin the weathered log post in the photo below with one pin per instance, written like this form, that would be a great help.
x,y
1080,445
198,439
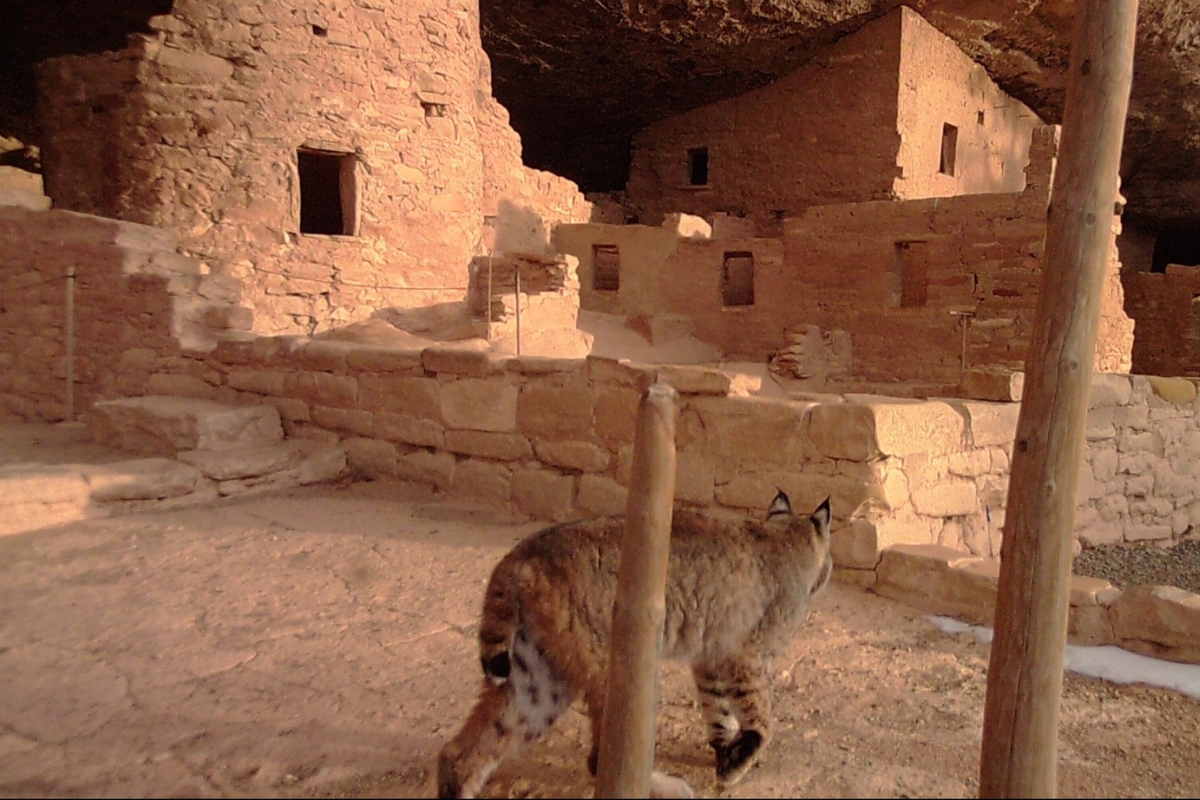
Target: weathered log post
x,y
1019,753
631,705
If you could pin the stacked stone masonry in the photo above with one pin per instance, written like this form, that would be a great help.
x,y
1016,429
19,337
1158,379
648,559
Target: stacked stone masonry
x,y
223,125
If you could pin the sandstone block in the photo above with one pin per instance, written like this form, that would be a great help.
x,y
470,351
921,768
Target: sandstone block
x,y
139,479
409,429
582,456
855,546
342,419
1161,620
261,381
549,410
544,495
34,496
940,580
322,388
431,469
385,360
483,481
754,429
616,414
1090,626
322,462
862,429
695,477
414,396
163,425
465,358
179,386
488,444
1180,391
370,458
695,380
986,384
623,373
948,498
250,461
601,495
1109,389
481,405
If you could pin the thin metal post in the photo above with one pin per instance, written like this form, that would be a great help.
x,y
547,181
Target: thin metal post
x,y
70,343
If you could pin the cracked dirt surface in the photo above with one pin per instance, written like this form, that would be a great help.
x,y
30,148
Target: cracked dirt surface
x,y
319,643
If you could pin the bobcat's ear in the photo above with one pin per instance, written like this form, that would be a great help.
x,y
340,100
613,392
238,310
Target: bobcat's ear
x,y
781,505
821,517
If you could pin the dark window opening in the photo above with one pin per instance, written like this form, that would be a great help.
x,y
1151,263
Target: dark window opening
x,y
328,195
698,166
979,118
1176,246
737,279
606,268
320,31
949,149
909,282
434,109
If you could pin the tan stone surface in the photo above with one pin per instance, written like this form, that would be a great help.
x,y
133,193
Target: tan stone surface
x,y
161,424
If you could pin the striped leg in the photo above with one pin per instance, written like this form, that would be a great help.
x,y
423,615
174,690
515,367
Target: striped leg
x,y
735,698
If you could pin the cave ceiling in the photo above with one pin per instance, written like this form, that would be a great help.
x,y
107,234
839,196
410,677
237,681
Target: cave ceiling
x,y
580,77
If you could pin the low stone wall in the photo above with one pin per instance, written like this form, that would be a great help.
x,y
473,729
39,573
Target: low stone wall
x,y
135,304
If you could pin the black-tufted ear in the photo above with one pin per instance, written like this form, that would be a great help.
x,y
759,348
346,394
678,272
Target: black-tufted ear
x,y
821,517
780,506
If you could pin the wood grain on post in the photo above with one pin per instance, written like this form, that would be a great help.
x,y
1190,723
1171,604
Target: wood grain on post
x,y
630,710
1019,752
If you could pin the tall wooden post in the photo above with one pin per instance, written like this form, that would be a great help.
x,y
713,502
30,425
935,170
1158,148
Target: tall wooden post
x,y
631,703
1019,754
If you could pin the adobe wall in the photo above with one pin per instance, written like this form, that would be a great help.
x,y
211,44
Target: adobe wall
x,y
196,129
138,307
823,134
1167,315
940,85
861,122
925,290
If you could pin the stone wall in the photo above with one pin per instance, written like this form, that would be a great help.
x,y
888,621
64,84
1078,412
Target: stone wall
x,y
928,291
865,120
939,87
553,438
210,127
1165,309
138,306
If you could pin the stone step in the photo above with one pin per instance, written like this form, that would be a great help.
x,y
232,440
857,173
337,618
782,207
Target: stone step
x,y
35,495
163,426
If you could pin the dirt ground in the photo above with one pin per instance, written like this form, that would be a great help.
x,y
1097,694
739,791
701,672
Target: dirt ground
x,y
319,643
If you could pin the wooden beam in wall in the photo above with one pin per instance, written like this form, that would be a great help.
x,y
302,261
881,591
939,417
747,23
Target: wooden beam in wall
x,y
1019,752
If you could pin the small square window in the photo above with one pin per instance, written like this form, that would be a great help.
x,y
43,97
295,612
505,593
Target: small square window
x,y
737,279
698,166
434,109
606,268
328,195
949,149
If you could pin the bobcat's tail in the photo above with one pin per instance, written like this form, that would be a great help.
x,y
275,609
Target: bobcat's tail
x,y
498,623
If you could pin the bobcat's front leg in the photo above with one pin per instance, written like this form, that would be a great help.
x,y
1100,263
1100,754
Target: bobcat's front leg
x,y
735,698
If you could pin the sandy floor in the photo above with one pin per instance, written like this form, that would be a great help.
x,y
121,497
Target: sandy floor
x,y
320,643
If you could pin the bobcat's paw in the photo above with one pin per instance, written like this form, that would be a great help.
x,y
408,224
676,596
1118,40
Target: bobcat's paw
x,y
735,759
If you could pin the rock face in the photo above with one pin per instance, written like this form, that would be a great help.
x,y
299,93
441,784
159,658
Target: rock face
x,y
580,78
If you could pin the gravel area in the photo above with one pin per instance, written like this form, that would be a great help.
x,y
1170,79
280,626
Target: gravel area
x,y
1127,565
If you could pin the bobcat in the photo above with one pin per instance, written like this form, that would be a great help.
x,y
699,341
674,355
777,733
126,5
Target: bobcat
x,y
737,591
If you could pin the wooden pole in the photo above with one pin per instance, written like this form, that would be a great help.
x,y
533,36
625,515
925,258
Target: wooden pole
x,y
70,343
1024,684
631,704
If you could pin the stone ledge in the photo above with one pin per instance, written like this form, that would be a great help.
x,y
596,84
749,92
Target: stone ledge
x,y
1158,621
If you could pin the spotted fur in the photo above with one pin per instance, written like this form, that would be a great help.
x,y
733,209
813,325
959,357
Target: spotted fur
x,y
737,592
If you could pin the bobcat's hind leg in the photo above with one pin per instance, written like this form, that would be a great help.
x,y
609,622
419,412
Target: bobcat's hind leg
x,y
735,698
505,718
